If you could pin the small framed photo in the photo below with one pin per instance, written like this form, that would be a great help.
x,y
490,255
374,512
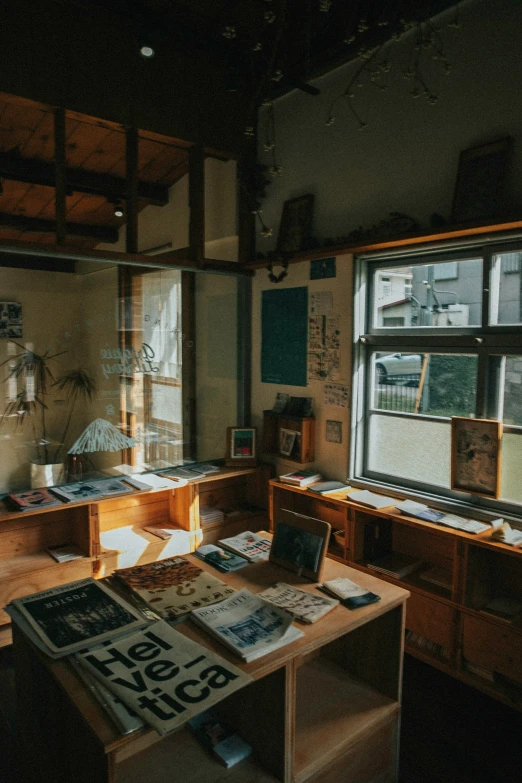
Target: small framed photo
x,y
241,446
479,189
286,441
475,455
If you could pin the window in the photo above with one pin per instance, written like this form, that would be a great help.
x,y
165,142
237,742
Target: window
x,y
452,348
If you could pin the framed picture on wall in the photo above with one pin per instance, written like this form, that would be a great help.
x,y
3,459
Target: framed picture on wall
x,y
475,455
479,189
295,228
241,446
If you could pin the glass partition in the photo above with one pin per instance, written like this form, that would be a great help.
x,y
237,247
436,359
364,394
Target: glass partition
x,y
109,370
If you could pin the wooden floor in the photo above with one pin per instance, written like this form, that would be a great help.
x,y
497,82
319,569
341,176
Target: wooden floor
x,y
450,732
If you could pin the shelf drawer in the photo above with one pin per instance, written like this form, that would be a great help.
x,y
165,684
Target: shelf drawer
x,y
493,647
431,619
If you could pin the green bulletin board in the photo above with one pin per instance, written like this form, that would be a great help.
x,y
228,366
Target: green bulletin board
x,y
284,333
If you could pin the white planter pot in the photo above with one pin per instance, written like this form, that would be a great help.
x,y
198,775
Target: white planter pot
x,y
47,475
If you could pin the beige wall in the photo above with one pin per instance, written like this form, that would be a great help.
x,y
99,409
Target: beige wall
x,y
331,458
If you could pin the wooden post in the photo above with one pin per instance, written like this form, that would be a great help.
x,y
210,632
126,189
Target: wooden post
x,y
131,217
60,184
197,204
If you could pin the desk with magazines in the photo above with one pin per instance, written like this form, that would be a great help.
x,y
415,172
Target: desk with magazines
x,y
324,708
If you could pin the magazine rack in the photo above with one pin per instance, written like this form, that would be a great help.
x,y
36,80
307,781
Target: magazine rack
x,y
324,708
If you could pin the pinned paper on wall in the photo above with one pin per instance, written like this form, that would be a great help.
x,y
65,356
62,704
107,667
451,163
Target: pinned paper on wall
x,y
334,431
336,394
324,347
321,302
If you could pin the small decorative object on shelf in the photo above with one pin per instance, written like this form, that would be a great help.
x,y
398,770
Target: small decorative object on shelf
x,y
286,441
303,447
241,446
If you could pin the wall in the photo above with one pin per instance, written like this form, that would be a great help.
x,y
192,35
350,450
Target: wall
x,y
405,160
331,458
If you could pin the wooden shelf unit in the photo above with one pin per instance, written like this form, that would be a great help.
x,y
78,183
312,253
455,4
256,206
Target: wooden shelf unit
x,y
110,532
447,626
304,427
324,709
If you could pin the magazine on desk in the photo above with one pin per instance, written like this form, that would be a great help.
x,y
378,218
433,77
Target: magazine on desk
x,y
220,558
162,675
247,625
68,617
91,490
301,604
33,498
153,481
174,586
248,545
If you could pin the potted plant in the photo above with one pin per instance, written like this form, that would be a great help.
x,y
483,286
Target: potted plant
x,y
34,383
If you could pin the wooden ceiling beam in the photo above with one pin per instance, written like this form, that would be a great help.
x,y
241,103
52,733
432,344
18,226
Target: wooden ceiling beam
x,y
24,223
38,172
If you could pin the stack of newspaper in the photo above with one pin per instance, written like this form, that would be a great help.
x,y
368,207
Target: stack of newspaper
x,y
209,515
247,625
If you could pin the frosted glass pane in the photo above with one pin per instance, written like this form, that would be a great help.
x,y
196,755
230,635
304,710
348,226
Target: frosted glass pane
x,y
413,449
511,486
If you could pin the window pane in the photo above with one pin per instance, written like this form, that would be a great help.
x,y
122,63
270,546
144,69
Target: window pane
x,y
511,486
428,384
513,390
406,448
447,294
506,299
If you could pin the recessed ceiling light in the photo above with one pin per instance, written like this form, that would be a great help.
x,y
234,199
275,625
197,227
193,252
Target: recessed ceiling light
x,y
146,51
118,209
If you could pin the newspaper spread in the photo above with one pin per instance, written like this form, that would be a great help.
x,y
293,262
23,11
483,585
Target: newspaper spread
x,y
68,617
249,545
248,625
162,675
301,604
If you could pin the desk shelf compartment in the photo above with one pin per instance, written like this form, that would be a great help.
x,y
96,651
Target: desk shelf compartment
x,y
494,579
26,566
375,537
121,522
242,498
343,699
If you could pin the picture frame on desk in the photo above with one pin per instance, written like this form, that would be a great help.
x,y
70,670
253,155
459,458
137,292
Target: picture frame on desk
x,y
300,544
241,446
476,455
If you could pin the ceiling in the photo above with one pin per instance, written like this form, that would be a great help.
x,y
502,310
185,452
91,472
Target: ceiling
x,y
95,154
258,38
304,38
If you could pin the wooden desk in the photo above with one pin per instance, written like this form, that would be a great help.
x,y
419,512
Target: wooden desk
x,y
325,708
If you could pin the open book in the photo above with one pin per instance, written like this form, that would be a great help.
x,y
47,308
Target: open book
x,y
247,625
